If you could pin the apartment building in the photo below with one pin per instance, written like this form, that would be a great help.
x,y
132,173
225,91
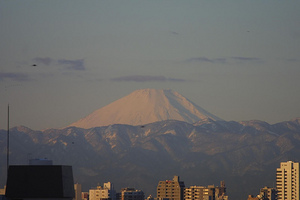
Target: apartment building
x,y
287,181
171,189
210,192
131,194
107,192
200,193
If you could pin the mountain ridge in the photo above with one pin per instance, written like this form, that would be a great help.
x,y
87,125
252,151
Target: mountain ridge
x,y
244,154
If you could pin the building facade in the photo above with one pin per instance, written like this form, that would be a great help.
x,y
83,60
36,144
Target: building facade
x,y
131,194
199,193
171,189
107,192
210,192
287,181
268,193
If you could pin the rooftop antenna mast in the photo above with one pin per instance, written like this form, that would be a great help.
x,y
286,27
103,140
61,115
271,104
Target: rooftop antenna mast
x,y
7,146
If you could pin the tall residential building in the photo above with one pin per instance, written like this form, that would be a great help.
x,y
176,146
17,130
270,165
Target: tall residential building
x,y
171,189
287,181
107,192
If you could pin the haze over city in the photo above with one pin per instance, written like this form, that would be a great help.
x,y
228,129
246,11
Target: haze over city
x,y
61,60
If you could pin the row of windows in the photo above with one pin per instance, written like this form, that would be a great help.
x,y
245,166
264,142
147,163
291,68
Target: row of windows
x,y
167,192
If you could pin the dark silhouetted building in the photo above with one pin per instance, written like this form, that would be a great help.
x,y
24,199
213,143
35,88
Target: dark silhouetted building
x,y
27,182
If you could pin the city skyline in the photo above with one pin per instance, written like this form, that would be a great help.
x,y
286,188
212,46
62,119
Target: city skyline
x,y
61,60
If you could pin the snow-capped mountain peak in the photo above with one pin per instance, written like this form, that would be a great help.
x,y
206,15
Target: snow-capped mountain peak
x,y
146,106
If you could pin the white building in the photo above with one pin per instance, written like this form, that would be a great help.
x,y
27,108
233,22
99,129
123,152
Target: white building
x,y
107,192
287,181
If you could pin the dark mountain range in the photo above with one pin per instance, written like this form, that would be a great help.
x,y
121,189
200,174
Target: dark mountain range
x,y
243,154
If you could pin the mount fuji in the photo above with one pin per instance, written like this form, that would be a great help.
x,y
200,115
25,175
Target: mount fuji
x,y
146,106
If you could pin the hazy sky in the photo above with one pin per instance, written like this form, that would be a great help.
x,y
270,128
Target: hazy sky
x,y
239,60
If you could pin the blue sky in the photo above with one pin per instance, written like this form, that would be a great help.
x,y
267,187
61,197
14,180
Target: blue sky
x,y
61,60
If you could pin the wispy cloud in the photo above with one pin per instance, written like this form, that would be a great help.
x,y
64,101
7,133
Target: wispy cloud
x,y
225,60
246,59
45,61
19,77
65,63
292,60
73,64
205,59
139,78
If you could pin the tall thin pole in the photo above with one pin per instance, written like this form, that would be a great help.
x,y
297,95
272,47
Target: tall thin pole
x,y
7,146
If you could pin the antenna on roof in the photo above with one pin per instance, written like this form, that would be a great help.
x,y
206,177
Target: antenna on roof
x,y
7,146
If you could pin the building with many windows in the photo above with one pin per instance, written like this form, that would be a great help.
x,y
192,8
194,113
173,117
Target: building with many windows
x,y
210,192
171,189
107,192
131,194
199,193
287,181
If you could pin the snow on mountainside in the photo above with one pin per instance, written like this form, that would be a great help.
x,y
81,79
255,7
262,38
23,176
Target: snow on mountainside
x,y
146,106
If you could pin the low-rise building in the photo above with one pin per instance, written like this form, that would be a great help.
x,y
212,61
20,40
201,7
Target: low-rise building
x,y
210,192
130,194
107,192
268,193
84,195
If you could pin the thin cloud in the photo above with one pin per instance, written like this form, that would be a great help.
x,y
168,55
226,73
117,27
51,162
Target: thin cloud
x,y
246,59
67,64
174,33
176,80
139,78
226,60
205,59
73,64
292,60
19,77
45,61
